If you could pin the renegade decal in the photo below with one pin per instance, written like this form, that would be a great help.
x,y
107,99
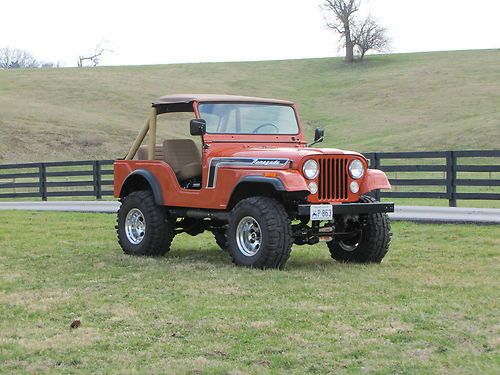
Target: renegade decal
x,y
216,163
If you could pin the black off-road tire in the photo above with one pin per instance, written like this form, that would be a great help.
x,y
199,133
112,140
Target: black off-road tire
x,y
276,233
374,242
159,231
220,236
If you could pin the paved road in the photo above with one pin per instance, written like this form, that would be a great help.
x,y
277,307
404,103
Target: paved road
x,y
447,214
76,206
403,213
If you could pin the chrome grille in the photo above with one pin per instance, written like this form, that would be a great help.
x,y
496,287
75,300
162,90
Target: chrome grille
x,y
333,179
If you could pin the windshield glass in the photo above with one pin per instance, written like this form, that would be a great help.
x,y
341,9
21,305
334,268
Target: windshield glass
x,y
246,118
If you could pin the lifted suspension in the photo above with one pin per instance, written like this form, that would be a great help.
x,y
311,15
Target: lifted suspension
x,y
342,227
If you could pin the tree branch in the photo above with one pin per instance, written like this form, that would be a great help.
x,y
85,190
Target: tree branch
x,y
94,58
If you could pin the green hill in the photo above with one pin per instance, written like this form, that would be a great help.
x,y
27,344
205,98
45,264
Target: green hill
x,y
424,101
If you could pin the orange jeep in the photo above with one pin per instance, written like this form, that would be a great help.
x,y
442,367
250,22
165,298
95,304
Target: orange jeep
x,y
252,180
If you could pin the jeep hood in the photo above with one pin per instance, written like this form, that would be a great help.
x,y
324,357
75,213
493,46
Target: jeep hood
x,y
295,154
290,152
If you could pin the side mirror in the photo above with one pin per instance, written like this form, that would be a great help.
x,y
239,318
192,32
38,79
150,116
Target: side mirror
x,y
319,134
197,126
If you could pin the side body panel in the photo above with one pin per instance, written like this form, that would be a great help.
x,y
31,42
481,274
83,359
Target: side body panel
x,y
224,166
212,198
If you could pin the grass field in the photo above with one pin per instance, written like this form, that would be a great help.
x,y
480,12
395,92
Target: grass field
x,y
424,101
431,307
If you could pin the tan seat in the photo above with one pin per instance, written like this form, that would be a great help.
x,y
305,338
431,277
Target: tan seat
x,y
184,157
142,153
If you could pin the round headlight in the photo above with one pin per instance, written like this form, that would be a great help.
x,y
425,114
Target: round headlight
x,y
310,169
356,169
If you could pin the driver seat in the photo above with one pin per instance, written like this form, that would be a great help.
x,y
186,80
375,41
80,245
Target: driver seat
x,y
184,157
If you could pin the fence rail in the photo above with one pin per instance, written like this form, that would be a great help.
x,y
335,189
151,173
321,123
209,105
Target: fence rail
x,y
87,178
456,172
427,174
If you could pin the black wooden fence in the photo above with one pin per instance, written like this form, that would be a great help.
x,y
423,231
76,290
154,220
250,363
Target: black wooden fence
x,y
473,170
429,174
89,178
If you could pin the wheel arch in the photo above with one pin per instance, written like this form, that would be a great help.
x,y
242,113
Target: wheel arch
x,y
142,179
250,186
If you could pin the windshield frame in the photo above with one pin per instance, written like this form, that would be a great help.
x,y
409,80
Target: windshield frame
x,y
297,121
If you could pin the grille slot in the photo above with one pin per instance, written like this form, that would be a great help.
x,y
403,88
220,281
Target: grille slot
x,y
333,179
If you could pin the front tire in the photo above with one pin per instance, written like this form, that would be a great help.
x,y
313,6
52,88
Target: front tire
x,y
259,233
143,227
370,245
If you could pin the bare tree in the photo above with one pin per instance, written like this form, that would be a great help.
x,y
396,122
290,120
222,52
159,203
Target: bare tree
x,y
17,58
369,35
339,16
94,58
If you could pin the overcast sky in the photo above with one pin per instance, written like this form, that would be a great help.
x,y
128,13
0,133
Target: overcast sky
x,y
165,31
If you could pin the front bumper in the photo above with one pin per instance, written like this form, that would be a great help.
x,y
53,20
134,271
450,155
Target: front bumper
x,y
351,208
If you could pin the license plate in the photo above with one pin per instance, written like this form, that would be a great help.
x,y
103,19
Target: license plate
x,y
321,212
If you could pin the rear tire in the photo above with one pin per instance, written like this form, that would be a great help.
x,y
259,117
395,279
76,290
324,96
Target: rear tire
x,y
143,227
259,233
220,236
371,245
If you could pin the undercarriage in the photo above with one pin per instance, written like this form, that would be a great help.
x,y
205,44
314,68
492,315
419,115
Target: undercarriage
x,y
346,225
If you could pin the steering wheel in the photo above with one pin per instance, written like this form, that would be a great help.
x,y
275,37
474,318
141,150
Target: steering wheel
x,y
256,130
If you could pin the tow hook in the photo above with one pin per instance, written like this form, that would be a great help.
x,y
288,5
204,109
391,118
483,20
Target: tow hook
x,y
327,238
311,236
326,230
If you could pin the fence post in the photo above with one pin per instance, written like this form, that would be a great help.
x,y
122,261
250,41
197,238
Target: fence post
x,y
42,176
97,179
451,176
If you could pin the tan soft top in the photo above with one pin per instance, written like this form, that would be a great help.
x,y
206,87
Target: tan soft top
x,y
189,98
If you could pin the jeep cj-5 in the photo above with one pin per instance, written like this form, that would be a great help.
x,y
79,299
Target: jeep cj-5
x,y
252,180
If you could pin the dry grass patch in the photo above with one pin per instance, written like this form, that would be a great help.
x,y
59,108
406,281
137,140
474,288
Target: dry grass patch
x,y
35,300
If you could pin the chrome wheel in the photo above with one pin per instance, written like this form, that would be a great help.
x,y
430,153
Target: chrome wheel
x,y
248,236
135,226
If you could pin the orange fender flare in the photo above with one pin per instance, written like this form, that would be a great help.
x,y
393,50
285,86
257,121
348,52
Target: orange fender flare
x,y
374,179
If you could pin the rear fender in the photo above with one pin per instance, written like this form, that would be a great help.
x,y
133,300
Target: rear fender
x,y
138,178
